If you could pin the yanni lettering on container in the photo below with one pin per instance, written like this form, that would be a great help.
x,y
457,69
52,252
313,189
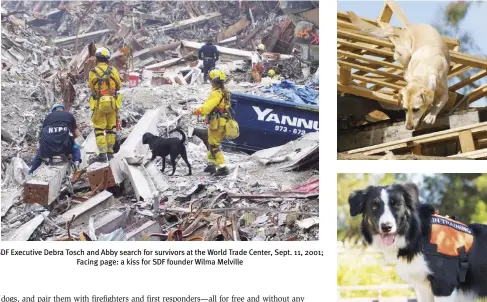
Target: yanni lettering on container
x,y
266,115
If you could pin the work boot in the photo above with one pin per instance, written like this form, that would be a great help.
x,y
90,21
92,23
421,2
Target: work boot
x,y
101,158
222,172
110,156
210,169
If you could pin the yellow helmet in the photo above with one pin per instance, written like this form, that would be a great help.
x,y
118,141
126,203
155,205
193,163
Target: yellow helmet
x,y
217,74
271,72
261,47
103,53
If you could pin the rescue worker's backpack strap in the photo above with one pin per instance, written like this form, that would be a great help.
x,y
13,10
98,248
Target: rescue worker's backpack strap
x,y
463,264
104,76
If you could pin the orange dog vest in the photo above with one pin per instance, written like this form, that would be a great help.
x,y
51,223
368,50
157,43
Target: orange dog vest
x,y
450,235
450,240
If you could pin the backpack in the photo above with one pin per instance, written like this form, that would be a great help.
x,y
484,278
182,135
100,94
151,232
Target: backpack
x,y
232,130
106,103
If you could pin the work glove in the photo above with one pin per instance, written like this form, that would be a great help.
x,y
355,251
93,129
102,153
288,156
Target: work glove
x,y
195,111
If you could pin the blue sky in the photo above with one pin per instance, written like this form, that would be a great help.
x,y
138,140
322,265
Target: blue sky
x,y
475,23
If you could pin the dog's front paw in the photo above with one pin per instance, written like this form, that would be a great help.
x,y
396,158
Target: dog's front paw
x,y
430,119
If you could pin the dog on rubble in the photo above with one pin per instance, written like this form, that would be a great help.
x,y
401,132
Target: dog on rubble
x,y
171,146
426,60
441,258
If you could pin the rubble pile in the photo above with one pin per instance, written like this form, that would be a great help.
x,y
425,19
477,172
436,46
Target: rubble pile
x,y
263,198
270,195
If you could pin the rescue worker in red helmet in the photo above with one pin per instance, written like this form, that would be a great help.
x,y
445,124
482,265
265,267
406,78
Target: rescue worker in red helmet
x,y
216,108
105,102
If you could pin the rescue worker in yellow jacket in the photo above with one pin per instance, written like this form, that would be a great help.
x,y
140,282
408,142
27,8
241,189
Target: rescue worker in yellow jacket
x,y
105,102
216,108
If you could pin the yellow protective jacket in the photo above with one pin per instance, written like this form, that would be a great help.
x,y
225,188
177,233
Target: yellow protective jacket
x,y
115,83
215,107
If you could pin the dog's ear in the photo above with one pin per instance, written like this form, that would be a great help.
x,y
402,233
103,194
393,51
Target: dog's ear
x,y
412,190
400,98
357,201
427,95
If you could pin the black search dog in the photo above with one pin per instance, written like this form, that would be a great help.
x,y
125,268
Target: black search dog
x,y
163,147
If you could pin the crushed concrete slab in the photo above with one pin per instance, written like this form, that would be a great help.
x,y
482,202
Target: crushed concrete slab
x,y
44,186
137,231
26,230
9,197
110,221
133,147
83,211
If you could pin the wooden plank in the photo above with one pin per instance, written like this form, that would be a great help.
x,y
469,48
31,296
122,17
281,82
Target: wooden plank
x,y
477,94
466,141
465,59
396,10
386,14
366,93
418,150
482,153
377,82
456,71
187,22
345,75
233,29
370,70
375,51
363,38
233,51
368,59
469,80
432,137
68,40
166,63
344,24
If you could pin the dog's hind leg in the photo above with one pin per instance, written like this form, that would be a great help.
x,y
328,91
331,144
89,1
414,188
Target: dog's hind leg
x,y
185,158
163,164
173,163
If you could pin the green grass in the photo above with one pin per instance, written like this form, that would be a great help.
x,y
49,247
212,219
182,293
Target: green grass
x,y
357,267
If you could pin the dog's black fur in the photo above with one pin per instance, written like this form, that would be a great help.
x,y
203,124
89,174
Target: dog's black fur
x,y
413,223
163,147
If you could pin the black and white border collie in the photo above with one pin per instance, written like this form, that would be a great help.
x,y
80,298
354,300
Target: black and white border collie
x,y
395,222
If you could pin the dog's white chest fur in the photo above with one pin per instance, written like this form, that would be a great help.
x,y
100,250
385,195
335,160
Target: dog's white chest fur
x,y
413,272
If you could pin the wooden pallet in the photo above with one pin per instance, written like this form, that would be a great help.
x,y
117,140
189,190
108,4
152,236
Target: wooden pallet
x,y
469,137
366,65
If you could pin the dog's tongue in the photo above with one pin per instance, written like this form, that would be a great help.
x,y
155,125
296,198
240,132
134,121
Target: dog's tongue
x,y
387,239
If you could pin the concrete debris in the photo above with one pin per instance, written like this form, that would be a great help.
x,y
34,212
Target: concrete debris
x,y
47,52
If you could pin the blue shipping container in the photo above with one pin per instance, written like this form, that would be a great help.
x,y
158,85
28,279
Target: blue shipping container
x,y
266,123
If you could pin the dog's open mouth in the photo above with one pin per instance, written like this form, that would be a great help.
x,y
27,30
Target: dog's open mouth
x,y
388,239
